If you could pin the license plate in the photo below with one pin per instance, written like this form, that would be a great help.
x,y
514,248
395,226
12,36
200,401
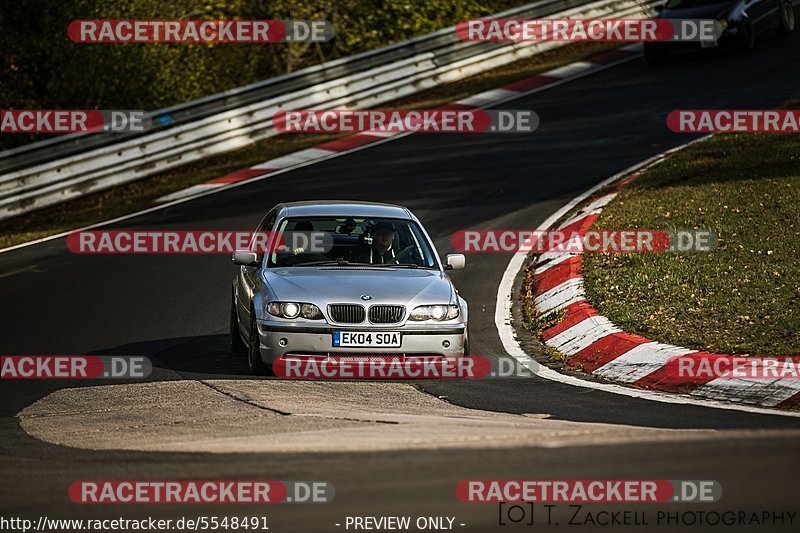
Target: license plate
x,y
362,339
709,44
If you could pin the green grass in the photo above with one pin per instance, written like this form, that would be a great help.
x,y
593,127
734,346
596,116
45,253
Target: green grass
x,y
535,323
743,298
142,194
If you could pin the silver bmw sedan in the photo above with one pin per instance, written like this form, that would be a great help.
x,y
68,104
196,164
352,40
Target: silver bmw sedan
x,y
329,279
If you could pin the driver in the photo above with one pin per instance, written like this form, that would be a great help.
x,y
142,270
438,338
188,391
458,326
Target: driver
x,y
381,251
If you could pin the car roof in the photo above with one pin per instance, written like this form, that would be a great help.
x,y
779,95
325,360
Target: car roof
x,y
342,208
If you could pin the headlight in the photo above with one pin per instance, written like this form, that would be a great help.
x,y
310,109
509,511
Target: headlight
x,y
310,311
434,312
293,310
290,310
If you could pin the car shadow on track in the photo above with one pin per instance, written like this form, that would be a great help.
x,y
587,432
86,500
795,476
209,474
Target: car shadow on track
x,y
209,357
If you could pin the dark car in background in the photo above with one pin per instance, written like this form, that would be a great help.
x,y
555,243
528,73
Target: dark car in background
x,y
743,22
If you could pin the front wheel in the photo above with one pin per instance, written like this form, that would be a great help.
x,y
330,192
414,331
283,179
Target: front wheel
x,y
748,37
254,362
787,18
235,341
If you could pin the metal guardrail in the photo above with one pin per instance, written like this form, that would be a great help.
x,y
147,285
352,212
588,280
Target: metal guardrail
x,y
70,166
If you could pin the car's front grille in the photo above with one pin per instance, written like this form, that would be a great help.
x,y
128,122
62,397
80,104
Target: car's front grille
x,y
386,314
347,313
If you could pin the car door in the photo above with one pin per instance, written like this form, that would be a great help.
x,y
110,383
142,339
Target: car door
x,y
247,279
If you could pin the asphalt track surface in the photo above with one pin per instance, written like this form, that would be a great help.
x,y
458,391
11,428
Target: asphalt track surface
x,y
174,309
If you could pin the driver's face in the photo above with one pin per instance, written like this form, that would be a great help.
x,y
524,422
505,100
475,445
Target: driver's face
x,y
383,240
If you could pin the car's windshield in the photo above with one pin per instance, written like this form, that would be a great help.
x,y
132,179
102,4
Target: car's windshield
x,y
319,241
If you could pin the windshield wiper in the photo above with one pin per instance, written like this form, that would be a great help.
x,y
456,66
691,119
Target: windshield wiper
x,y
348,263
335,263
324,263
413,265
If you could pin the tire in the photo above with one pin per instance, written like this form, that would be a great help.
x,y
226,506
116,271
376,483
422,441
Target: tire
x,y
466,343
748,39
235,337
787,23
254,362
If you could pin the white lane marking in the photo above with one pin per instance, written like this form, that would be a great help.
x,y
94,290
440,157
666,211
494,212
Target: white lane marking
x,y
294,158
550,259
486,97
764,391
600,202
560,296
567,71
582,335
502,318
640,361
376,133
189,191
594,208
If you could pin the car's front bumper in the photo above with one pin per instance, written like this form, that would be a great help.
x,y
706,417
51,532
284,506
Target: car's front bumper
x,y
279,339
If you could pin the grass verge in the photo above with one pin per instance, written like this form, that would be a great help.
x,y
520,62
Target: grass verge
x,y
743,298
142,194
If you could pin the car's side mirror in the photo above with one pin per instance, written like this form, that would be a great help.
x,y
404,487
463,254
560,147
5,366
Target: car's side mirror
x,y
455,262
245,258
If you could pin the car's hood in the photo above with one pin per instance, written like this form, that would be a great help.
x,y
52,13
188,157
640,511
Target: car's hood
x,y
710,11
327,285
